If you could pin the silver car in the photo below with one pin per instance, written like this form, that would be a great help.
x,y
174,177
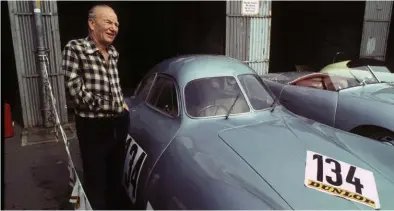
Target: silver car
x,y
351,96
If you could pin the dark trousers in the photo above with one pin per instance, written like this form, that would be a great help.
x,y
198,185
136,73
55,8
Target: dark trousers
x,y
102,146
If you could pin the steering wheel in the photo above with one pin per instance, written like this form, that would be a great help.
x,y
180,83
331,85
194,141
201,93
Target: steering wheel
x,y
214,105
336,84
258,100
259,103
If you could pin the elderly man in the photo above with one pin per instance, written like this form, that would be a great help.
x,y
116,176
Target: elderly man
x,y
101,119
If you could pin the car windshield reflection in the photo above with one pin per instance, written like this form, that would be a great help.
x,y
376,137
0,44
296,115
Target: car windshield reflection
x,y
214,96
359,76
208,97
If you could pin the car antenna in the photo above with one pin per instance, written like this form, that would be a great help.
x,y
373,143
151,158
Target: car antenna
x,y
232,106
335,57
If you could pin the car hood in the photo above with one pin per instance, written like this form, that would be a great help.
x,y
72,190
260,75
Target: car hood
x,y
383,92
277,151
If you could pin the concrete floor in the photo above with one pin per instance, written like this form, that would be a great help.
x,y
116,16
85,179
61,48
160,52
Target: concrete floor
x,y
36,176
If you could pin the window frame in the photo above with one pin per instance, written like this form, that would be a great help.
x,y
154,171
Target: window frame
x,y
267,89
138,89
177,94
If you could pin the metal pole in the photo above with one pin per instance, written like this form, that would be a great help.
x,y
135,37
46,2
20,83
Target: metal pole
x,y
41,57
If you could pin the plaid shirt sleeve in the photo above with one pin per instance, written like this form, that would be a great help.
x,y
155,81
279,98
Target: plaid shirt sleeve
x,y
74,81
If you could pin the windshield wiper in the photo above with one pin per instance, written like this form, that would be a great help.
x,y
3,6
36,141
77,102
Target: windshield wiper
x,y
232,106
274,104
360,82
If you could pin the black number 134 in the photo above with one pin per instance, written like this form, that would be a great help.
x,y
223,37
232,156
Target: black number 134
x,y
132,174
337,170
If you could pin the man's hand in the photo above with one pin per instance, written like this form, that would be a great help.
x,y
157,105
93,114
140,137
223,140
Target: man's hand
x,y
125,106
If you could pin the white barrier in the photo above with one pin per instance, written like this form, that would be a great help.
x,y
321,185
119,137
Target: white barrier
x,y
78,196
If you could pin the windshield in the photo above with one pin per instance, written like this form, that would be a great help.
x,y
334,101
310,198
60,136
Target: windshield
x,y
364,75
348,77
342,78
214,97
258,96
383,74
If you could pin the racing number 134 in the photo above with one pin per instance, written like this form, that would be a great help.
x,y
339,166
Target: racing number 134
x,y
338,172
134,159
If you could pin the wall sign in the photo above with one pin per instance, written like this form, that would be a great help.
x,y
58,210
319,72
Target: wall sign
x,y
250,7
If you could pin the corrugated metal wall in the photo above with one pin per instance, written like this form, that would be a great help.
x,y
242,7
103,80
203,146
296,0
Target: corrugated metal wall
x,y
237,32
376,27
24,42
260,31
248,37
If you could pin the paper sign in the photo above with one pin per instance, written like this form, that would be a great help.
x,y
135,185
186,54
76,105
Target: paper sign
x,y
250,7
371,45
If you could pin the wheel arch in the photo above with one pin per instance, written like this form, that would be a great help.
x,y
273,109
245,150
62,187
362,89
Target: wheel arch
x,y
364,130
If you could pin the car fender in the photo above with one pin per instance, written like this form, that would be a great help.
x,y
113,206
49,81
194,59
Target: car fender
x,y
355,111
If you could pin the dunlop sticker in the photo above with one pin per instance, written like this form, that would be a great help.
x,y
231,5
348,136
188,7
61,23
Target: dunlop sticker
x,y
341,193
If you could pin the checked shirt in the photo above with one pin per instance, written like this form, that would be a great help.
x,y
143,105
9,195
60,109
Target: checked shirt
x,y
92,83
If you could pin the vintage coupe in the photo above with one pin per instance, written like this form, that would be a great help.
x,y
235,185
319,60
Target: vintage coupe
x,y
356,96
206,133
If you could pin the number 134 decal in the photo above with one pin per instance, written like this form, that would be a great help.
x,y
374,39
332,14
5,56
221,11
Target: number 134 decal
x,y
341,179
133,162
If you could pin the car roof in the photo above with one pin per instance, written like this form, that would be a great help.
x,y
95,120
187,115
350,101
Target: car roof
x,y
189,67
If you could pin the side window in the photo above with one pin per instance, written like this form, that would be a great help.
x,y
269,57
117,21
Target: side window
x,y
164,97
144,87
256,92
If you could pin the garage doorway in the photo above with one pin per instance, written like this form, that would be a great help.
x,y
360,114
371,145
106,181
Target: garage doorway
x,y
9,76
311,33
390,45
150,32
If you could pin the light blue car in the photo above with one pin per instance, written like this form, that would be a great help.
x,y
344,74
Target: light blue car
x,y
356,96
206,133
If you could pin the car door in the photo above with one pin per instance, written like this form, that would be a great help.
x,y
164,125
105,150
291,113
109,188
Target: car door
x,y
316,104
153,123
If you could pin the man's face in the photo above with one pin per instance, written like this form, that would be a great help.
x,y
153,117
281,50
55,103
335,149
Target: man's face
x,y
105,26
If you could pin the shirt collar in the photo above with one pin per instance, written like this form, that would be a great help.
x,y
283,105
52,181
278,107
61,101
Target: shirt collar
x,y
91,47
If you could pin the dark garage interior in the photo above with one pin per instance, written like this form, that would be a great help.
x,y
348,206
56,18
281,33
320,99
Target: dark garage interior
x,y
311,33
390,44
